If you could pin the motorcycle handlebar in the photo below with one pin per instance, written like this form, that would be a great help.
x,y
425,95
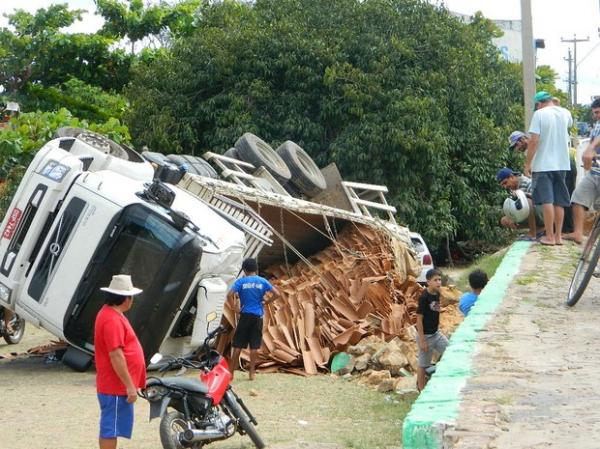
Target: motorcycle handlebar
x,y
219,330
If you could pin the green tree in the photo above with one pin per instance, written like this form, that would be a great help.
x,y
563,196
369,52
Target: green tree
x,y
546,78
34,49
135,21
27,133
397,92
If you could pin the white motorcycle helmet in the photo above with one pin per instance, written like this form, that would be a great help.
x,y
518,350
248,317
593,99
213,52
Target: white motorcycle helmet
x,y
516,207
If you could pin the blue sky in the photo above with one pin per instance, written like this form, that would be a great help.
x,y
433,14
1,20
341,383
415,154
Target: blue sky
x,y
552,19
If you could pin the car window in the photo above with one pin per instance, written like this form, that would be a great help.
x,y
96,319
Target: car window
x,y
418,244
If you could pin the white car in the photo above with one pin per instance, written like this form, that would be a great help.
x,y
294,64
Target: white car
x,y
423,255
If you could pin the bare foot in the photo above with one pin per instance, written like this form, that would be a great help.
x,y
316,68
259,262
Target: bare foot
x,y
546,241
573,237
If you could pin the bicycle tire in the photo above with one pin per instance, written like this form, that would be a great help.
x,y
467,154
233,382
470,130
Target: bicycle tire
x,y
585,267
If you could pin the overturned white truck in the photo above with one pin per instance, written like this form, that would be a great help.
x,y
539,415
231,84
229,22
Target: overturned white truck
x,y
88,208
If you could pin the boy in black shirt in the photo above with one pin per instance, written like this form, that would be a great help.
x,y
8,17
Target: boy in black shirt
x,y
428,320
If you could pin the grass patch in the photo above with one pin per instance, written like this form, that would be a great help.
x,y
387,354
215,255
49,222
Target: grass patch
x,y
528,279
488,263
505,400
320,410
567,269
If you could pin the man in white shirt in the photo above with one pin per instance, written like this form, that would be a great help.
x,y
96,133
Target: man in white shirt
x,y
548,163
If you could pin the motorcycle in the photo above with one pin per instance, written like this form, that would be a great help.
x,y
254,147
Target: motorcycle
x,y
18,328
201,411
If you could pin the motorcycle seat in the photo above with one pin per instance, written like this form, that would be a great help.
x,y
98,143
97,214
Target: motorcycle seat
x,y
195,386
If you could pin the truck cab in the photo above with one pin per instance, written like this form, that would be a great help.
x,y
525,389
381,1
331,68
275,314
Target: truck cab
x,y
85,210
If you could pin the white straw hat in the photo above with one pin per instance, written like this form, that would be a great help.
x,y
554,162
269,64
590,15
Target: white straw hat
x,y
121,285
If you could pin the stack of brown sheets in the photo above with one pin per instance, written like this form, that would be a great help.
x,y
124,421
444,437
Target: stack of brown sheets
x,y
358,286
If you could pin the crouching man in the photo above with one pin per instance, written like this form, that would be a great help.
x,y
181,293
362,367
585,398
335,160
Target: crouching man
x,y
512,181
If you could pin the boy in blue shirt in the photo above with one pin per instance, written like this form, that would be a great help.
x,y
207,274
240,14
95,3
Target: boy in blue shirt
x,y
251,290
478,279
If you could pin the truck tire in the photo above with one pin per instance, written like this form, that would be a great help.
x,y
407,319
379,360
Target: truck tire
x,y
67,131
232,153
306,176
98,141
103,144
196,165
157,158
257,152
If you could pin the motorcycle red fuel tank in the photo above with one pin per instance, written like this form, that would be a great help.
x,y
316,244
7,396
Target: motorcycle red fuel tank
x,y
217,380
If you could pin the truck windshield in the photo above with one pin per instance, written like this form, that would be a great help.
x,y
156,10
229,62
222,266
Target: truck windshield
x,y
161,259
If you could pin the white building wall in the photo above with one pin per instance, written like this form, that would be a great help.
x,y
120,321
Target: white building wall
x,y
509,43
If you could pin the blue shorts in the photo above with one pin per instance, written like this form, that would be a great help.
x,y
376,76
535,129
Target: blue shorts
x,y
116,416
549,187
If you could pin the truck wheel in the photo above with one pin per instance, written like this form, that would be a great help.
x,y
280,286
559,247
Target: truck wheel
x,y
259,153
306,176
103,144
67,131
196,165
99,142
232,153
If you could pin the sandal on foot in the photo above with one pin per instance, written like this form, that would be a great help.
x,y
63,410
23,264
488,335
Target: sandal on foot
x,y
526,238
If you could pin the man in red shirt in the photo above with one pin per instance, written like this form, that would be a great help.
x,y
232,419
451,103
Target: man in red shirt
x,y
120,364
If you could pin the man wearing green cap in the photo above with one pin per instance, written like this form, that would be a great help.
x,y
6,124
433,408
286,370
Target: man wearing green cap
x,y
548,162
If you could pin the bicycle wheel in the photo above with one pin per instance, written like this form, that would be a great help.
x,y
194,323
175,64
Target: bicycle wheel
x,y
586,266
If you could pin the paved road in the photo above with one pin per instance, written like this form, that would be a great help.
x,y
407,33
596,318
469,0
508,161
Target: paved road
x,y
538,370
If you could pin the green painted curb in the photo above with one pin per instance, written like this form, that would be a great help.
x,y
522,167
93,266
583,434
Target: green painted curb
x,y
437,406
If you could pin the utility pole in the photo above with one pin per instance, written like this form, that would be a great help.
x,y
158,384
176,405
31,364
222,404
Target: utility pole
x,y
569,60
528,60
574,41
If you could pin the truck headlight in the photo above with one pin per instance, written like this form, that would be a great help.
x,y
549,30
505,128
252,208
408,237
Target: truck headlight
x,y
4,293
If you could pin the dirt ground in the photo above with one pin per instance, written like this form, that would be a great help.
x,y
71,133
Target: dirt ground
x,y
536,383
48,406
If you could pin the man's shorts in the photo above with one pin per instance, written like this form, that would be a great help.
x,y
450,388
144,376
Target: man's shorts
x,y
549,187
116,416
437,342
587,191
248,331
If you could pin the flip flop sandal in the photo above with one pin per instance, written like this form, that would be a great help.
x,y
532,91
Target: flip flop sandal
x,y
526,238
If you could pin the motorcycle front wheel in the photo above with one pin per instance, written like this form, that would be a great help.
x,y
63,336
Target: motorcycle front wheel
x,y
243,420
18,325
171,425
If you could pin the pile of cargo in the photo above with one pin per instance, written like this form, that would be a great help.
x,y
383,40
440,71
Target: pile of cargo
x,y
363,284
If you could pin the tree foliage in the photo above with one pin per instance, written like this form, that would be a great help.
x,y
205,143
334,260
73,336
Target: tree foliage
x,y
37,50
135,21
27,133
546,78
396,92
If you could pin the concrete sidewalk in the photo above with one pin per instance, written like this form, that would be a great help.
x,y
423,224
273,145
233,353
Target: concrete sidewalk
x,y
533,374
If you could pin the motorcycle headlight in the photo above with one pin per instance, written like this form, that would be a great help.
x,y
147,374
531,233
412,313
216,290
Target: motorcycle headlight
x,y
4,293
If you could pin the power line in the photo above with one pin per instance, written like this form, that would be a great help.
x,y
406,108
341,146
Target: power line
x,y
574,42
588,53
